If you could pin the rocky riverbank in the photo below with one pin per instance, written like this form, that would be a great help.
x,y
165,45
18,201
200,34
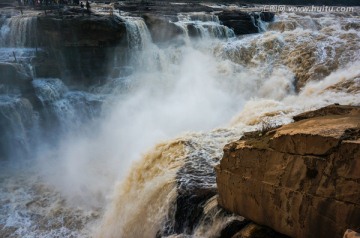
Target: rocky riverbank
x,y
81,48
87,50
301,179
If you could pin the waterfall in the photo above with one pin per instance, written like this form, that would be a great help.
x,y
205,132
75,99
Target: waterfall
x,y
256,20
135,157
249,67
138,35
203,25
214,30
19,31
16,120
66,110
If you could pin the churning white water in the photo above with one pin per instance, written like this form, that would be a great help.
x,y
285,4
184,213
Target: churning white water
x,y
120,175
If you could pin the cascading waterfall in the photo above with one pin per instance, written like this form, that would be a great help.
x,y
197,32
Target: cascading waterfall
x,y
69,108
256,20
138,35
203,25
124,175
260,62
19,31
16,116
18,120
139,40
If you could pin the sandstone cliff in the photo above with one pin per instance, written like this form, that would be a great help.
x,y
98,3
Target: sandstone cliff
x,y
302,179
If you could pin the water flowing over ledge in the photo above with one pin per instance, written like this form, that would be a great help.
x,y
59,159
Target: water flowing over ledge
x,y
90,104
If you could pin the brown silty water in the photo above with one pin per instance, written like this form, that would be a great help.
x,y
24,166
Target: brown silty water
x,y
133,179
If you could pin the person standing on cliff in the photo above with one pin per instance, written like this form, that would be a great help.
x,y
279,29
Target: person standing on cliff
x,y
88,7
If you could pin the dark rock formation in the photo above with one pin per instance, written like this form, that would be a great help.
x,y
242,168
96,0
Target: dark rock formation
x,y
194,189
161,28
14,79
240,22
81,48
13,74
244,22
159,18
267,16
233,228
253,230
7,3
196,203
81,31
162,8
301,179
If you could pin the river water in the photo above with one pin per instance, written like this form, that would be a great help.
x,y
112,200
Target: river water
x,y
135,157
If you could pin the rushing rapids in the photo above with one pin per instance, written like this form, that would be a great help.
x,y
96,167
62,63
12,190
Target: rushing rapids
x,y
102,162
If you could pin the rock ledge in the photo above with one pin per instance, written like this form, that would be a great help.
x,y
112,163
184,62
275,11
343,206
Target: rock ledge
x,y
302,179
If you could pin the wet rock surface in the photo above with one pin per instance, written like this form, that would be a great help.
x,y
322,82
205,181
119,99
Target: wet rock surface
x,y
13,75
160,18
83,45
244,22
80,47
163,8
195,188
81,31
301,179
161,28
252,230
196,204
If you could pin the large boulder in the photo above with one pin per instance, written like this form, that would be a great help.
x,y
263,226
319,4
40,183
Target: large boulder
x,y
301,179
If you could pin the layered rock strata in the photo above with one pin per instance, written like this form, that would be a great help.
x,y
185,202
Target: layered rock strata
x,y
302,179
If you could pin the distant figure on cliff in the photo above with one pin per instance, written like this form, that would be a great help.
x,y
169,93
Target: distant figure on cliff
x,y
88,7
81,4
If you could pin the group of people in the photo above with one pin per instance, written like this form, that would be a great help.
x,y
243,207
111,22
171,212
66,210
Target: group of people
x,y
87,4
54,2
47,2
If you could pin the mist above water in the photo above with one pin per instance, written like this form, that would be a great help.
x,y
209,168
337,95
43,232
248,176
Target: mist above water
x,y
204,93
194,95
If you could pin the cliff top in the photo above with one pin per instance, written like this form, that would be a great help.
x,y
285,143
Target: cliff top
x,y
297,175
334,121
